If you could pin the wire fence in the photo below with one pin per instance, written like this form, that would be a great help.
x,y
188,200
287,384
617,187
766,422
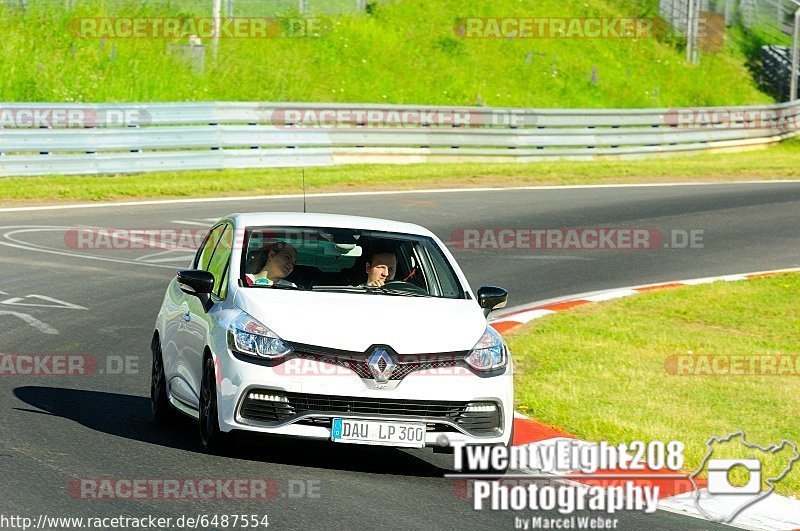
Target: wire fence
x,y
773,17
767,23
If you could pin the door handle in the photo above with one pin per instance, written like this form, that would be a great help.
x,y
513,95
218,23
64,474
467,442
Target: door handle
x,y
187,316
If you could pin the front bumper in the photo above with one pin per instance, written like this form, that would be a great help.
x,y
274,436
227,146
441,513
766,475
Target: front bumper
x,y
326,391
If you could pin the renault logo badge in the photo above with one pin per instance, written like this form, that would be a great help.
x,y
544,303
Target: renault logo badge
x,y
381,365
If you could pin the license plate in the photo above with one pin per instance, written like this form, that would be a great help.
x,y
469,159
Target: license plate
x,y
407,434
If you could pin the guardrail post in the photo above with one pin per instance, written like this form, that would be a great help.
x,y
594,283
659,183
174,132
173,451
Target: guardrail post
x,y
795,54
217,11
690,34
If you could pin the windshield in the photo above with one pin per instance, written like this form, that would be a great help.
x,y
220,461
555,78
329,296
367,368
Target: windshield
x,y
347,261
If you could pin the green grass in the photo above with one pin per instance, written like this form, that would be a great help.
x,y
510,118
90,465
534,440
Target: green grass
x,y
777,162
599,371
404,52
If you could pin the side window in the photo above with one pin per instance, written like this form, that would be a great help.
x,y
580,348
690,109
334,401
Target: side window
x,y
448,282
218,264
412,269
207,250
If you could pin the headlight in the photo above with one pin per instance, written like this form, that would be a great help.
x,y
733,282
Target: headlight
x,y
248,336
489,353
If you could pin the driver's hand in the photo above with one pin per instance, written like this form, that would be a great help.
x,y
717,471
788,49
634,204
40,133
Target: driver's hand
x,y
375,284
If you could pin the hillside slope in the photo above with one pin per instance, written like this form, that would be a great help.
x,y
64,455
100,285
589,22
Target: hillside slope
x,y
402,52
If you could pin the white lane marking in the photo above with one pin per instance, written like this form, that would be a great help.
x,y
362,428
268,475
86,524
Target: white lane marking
x,y
38,248
773,512
530,315
56,303
183,258
398,192
146,257
182,222
32,321
151,258
615,294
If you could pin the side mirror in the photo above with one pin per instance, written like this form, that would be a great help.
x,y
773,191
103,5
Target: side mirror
x,y
492,298
196,282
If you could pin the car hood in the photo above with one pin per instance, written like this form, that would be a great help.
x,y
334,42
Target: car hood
x,y
356,321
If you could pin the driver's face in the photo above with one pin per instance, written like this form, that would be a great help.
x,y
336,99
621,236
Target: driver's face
x,y
381,269
280,264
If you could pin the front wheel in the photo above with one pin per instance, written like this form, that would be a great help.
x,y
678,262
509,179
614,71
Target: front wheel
x,y
213,440
159,403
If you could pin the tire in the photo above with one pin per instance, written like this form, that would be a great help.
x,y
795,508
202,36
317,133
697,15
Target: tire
x,y
160,407
212,439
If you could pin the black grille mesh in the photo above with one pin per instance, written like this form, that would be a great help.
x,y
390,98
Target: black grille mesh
x,y
404,367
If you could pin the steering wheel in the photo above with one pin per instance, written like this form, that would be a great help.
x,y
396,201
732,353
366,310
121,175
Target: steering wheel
x,y
405,286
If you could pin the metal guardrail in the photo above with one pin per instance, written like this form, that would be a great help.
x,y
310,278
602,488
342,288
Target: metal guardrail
x,y
61,138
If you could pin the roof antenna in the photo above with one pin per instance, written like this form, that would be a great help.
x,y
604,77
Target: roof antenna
x,y
304,190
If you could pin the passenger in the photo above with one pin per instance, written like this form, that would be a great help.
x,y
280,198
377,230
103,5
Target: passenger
x,y
381,267
280,262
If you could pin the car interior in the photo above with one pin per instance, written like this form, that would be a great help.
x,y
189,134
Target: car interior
x,y
321,262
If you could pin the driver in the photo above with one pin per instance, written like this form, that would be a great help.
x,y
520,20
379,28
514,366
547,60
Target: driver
x,y
280,261
381,267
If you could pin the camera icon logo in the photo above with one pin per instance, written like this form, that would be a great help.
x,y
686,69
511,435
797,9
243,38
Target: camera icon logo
x,y
734,484
720,471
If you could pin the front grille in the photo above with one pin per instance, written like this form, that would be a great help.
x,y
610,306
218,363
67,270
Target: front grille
x,y
359,363
300,404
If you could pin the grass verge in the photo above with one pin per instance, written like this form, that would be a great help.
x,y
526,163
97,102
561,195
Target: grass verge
x,y
601,371
399,52
777,162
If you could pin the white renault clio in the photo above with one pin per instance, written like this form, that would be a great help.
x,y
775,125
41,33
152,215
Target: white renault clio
x,y
349,329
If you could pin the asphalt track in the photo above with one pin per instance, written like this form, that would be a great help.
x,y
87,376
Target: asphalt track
x,y
59,428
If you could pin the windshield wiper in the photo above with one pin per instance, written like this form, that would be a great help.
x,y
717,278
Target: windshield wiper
x,y
344,289
376,290
399,292
274,286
